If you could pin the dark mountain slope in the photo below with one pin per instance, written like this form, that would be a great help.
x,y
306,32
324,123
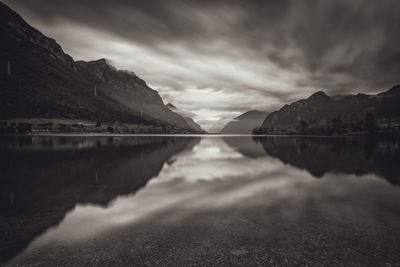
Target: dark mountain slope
x,y
128,90
245,123
321,114
192,124
37,79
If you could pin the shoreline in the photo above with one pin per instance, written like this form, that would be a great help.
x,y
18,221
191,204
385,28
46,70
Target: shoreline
x,y
42,126
94,134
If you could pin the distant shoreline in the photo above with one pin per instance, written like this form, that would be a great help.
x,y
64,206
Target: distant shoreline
x,y
42,126
76,127
94,134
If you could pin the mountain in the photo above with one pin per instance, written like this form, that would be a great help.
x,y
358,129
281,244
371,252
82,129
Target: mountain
x,y
170,106
321,114
39,80
127,89
192,124
245,123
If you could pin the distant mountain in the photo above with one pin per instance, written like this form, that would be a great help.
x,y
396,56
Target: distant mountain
x,y
321,114
192,124
39,80
245,123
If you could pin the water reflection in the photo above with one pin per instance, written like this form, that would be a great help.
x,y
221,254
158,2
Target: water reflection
x,y
246,146
45,177
211,201
351,155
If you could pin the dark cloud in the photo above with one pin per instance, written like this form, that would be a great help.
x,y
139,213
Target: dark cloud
x,y
220,58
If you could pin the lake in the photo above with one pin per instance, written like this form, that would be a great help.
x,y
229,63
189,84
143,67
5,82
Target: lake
x,y
200,200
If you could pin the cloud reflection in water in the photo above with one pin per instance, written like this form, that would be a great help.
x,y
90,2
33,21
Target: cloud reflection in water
x,y
213,176
210,176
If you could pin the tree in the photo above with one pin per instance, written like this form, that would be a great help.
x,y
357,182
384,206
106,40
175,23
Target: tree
x,y
370,123
337,122
8,68
23,128
303,125
256,131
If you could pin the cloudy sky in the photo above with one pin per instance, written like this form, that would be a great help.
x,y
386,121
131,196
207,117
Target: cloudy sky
x,y
217,59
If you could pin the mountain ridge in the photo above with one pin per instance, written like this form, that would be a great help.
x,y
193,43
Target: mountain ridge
x,y
193,125
321,114
244,123
39,80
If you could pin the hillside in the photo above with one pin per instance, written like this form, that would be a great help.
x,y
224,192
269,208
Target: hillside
x,y
128,90
39,80
192,124
245,123
321,114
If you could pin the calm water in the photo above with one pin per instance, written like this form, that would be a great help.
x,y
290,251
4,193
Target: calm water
x,y
199,200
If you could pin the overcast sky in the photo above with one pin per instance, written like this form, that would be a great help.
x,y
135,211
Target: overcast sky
x,y
218,59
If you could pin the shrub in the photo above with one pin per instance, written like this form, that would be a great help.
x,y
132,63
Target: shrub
x,y
257,131
23,128
370,123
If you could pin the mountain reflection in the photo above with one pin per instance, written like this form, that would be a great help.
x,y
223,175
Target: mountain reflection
x,y
351,155
321,155
245,145
181,201
45,177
